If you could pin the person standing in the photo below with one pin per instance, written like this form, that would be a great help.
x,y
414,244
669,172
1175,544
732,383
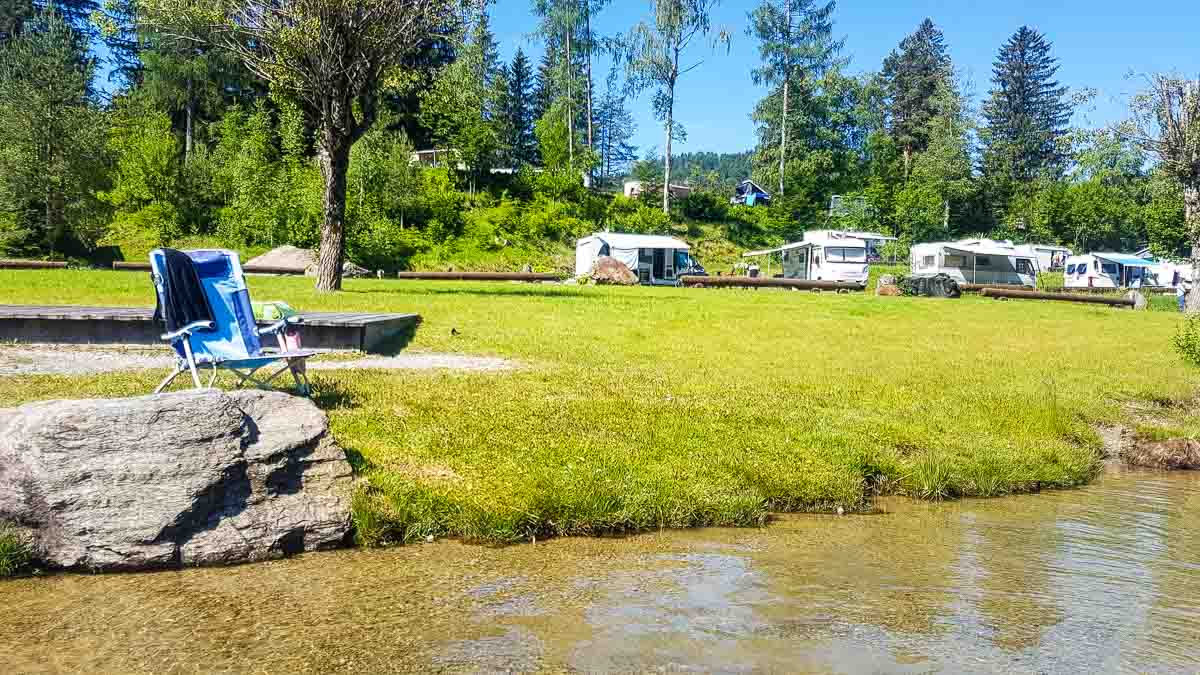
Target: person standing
x,y
1181,291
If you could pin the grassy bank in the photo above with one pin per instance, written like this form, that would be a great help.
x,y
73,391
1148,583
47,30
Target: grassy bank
x,y
16,555
643,408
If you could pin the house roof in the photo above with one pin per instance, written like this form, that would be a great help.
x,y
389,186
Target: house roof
x,y
628,241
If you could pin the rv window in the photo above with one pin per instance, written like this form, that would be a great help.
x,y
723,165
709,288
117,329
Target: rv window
x,y
1024,266
927,261
1109,268
605,250
1070,269
954,261
846,254
983,261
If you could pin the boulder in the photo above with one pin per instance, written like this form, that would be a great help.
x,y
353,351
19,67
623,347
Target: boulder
x,y
1174,453
888,290
887,280
352,271
609,270
201,477
288,257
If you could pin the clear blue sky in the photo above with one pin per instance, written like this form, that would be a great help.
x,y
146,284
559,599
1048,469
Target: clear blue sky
x,y
1097,43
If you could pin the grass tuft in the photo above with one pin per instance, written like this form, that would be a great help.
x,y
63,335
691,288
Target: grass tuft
x,y
16,552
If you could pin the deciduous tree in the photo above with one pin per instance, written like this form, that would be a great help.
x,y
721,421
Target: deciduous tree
x,y
329,57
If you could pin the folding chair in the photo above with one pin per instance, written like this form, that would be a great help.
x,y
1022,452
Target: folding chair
x,y
230,342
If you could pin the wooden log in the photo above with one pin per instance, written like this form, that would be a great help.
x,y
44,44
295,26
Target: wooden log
x,y
760,282
32,265
1002,293
248,269
479,276
975,288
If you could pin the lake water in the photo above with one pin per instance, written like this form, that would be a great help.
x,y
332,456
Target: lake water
x,y
1102,579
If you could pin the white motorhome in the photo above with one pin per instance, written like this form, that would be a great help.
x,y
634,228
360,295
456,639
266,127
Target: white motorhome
x,y
824,255
656,260
976,261
873,240
1109,270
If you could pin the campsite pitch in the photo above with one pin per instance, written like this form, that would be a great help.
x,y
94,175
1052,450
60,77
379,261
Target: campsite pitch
x,y
638,408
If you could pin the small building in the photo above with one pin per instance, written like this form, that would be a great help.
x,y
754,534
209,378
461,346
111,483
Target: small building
x,y
751,194
824,255
1110,270
657,260
635,188
976,261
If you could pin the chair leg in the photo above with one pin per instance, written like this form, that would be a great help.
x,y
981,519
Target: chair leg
x,y
191,361
169,380
213,379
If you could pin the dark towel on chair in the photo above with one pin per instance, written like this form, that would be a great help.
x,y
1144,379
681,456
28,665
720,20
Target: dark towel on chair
x,y
186,301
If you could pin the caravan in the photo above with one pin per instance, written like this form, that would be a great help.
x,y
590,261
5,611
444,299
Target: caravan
x,y
977,261
824,255
656,260
1109,270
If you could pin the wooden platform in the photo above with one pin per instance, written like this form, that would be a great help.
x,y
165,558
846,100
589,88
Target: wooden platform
x,y
68,324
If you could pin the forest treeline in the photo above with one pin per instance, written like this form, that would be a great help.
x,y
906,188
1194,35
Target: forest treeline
x,y
218,128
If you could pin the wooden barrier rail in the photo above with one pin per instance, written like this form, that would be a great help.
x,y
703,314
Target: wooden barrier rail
x,y
479,276
32,265
248,269
762,282
1064,297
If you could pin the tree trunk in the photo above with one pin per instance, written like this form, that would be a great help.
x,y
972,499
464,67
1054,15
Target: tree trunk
x,y
570,108
907,160
190,110
783,124
1191,210
667,155
588,70
334,158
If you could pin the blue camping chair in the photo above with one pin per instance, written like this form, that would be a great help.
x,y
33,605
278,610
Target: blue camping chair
x,y
230,341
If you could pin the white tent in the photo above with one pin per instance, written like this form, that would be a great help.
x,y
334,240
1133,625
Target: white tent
x,y
652,257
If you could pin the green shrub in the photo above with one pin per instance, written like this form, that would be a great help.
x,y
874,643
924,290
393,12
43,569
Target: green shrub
x,y
16,552
1187,340
703,206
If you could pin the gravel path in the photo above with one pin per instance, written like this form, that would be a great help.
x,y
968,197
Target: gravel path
x,y
77,360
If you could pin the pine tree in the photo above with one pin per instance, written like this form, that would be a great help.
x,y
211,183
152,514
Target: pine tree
x,y
615,127
519,110
544,86
1026,113
796,46
912,76
53,147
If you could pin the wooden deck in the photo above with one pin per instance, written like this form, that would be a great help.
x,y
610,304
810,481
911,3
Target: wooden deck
x,y
68,324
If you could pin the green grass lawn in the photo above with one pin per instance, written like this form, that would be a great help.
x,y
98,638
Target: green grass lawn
x,y
650,407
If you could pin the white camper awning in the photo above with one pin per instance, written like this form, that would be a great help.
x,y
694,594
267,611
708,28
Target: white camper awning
x,y
635,241
1124,259
987,250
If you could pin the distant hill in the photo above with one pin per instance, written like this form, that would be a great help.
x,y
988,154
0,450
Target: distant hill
x,y
716,170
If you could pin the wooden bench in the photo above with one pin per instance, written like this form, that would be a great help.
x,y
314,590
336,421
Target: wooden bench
x,y
67,324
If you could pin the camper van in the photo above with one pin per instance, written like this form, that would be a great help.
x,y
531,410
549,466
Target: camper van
x,y
1049,256
873,240
1109,270
655,259
976,261
824,255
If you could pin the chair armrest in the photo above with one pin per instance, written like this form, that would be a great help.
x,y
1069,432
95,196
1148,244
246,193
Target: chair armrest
x,y
188,330
280,325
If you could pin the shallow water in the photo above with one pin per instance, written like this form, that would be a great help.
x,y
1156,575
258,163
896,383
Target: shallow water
x,y
1101,579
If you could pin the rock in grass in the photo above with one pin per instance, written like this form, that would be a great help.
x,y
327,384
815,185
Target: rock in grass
x,y
888,290
1175,453
194,478
609,270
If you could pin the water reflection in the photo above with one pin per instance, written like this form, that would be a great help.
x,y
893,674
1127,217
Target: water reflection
x,y
1101,579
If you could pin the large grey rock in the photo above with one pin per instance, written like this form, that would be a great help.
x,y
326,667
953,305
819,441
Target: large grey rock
x,y
194,478
609,270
